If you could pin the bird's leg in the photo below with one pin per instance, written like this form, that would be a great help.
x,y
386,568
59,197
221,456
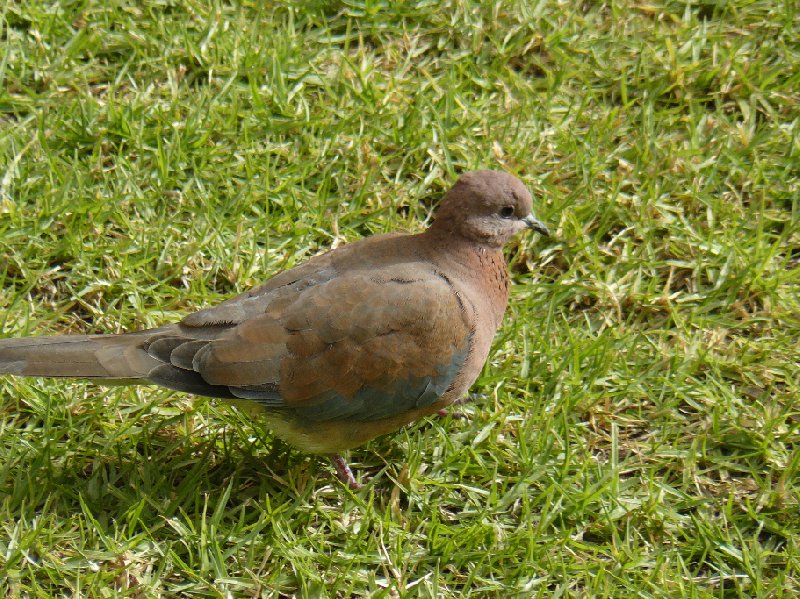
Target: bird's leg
x,y
343,471
468,399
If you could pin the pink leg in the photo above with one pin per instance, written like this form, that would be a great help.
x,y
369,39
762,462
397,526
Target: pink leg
x,y
343,471
444,411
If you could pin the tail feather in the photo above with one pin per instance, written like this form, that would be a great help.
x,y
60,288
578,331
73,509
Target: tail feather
x,y
78,356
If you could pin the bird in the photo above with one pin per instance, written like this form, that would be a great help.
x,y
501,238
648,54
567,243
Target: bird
x,y
352,344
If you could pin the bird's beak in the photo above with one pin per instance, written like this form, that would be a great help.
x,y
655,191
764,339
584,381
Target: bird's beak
x,y
534,223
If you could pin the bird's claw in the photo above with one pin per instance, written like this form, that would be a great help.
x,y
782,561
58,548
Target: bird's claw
x,y
461,401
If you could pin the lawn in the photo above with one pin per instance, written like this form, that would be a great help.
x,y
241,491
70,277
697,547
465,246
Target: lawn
x,y
637,431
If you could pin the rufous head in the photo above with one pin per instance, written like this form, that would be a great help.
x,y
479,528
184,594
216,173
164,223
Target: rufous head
x,y
488,208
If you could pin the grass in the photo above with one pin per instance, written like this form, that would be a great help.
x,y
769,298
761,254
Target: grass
x,y
639,431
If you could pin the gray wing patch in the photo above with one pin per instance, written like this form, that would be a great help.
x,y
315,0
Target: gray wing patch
x,y
369,403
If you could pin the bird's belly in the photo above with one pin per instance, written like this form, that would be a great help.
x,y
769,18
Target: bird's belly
x,y
335,436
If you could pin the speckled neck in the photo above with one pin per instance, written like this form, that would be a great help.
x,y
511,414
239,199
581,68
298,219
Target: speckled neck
x,y
482,268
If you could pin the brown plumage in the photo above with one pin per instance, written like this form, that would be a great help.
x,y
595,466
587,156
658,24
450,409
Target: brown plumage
x,y
352,344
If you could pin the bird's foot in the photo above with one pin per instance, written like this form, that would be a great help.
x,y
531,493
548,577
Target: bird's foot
x,y
343,471
456,414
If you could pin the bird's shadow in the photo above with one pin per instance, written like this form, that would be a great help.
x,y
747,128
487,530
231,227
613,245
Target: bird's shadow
x,y
161,470
156,462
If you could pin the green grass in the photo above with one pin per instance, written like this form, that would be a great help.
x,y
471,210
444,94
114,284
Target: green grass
x,y
639,433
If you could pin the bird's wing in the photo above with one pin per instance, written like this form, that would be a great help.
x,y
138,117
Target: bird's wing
x,y
360,345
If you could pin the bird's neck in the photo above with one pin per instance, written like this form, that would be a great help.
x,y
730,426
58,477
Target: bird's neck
x,y
482,268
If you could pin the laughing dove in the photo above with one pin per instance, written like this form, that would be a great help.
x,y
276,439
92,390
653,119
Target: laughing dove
x,y
352,344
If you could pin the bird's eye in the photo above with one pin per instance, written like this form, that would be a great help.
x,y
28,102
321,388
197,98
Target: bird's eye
x,y
507,211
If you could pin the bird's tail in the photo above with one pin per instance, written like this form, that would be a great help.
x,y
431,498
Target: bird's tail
x,y
110,357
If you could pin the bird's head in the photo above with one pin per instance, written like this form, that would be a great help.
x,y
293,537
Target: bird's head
x,y
487,207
